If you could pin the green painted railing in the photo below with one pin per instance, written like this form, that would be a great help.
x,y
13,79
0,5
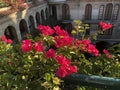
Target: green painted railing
x,y
94,81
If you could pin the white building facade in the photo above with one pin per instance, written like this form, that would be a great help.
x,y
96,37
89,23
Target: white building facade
x,y
17,24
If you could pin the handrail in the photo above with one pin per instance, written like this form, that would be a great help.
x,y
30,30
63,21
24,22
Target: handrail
x,y
93,81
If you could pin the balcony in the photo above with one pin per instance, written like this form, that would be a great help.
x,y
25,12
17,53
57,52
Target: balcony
x,y
56,1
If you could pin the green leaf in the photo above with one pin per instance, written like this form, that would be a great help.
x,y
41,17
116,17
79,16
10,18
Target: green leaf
x,y
47,77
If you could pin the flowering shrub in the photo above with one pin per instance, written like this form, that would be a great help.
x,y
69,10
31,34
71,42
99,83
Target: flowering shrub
x,y
43,61
16,4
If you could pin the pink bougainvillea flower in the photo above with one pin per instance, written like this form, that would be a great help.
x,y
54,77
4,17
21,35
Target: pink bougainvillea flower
x,y
50,53
9,41
61,72
86,41
71,69
63,41
26,45
92,50
4,39
60,32
105,26
107,53
66,70
46,30
39,47
62,60
78,42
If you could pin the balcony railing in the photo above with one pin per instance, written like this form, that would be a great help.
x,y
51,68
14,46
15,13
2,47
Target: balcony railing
x,y
94,81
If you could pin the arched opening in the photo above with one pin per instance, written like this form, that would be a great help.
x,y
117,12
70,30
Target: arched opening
x,y
108,11
101,12
116,11
46,13
65,12
31,24
10,33
37,18
42,16
88,12
54,11
23,28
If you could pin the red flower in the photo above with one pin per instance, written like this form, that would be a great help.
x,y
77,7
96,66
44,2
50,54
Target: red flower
x,y
66,70
60,32
86,41
61,72
63,41
78,42
71,69
92,50
39,46
62,60
50,53
105,26
9,41
107,53
4,39
46,30
26,45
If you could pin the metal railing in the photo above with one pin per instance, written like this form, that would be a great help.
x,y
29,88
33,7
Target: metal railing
x,y
94,81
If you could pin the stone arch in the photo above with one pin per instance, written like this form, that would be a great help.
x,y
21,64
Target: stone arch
x,y
65,11
31,23
88,12
37,18
10,33
23,28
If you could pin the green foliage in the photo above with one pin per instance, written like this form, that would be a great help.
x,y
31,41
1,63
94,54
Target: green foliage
x,y
33,71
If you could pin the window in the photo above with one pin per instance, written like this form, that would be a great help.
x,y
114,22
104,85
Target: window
x,y
108,11
116,11
88,11
101,12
